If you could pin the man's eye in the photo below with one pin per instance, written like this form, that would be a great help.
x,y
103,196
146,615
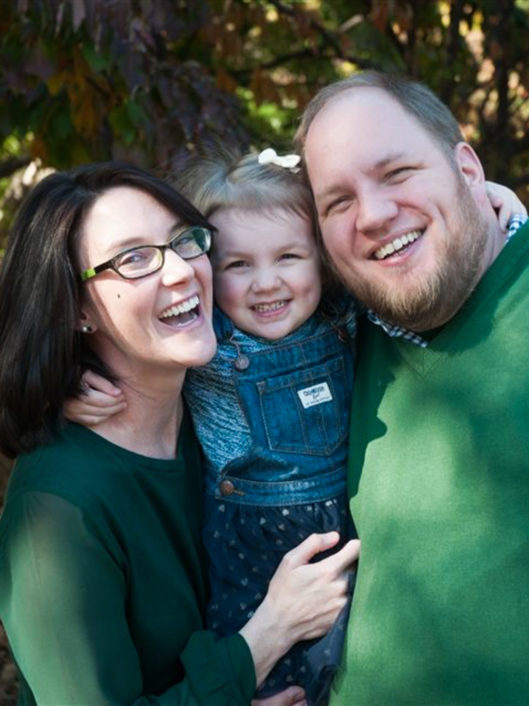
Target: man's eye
x,y
400,173
338,205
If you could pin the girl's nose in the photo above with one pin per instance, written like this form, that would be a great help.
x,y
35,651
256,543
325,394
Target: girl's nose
x,y
266,279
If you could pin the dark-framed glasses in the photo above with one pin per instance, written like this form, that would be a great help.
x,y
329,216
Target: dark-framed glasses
x,y
143,260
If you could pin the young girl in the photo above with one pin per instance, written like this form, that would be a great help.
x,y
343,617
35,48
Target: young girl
x,y
271,409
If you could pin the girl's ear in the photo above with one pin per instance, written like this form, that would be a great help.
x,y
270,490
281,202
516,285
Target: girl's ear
x,y
469,164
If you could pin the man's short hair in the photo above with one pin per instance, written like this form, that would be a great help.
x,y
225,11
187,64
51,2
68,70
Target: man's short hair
x,y
414,97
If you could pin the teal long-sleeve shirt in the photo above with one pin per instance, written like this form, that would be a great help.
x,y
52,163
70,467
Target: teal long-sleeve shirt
x,y
103,583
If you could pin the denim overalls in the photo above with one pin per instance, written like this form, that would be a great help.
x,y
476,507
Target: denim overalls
x,y
284,420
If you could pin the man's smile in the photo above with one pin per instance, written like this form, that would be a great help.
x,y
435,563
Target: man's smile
x,y
397,245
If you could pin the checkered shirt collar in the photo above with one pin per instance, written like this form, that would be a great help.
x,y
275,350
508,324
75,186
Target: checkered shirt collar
x,y
516,222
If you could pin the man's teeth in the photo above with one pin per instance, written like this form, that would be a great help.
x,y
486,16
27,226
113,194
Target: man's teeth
x,y
181,308
269,307
397,244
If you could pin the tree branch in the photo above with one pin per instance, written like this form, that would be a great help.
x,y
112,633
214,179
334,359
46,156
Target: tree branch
x,y
12,164
328,38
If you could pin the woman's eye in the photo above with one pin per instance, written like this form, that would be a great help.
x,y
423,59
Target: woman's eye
x,y
290,256
134,257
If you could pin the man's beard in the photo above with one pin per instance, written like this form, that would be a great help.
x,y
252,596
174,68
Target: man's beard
x,y
434,299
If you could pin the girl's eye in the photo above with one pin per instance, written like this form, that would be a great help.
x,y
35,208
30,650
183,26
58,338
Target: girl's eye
x,y
290,256
236,264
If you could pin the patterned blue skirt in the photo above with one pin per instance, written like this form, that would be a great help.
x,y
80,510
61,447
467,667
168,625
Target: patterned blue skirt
x,y
245,544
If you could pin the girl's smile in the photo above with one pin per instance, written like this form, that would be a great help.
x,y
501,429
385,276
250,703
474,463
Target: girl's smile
x,y
266,270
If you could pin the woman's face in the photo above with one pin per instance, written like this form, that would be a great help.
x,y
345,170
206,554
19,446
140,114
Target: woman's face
x,y
155,324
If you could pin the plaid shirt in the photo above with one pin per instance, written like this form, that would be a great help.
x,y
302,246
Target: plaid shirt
x,y
395,331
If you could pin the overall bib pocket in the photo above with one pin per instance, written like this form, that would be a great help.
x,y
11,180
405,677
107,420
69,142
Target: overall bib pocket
x,y
306,412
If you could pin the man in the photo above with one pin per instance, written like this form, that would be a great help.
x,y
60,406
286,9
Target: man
x,y
439,463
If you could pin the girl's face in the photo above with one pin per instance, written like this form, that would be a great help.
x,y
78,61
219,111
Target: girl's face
x,y
155,324
266,270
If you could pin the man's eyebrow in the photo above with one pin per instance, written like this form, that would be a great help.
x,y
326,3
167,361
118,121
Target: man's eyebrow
x,y
328,191
388,159
381,164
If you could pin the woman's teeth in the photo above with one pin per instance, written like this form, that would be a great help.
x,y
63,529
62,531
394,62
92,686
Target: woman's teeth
x,y
396,245
180,309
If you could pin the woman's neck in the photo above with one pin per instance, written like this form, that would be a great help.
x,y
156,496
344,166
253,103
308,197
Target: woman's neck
x,y
150,423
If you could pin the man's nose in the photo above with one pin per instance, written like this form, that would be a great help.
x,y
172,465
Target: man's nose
x,y
375,209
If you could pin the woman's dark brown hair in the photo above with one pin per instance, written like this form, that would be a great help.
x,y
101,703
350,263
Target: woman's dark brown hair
x,y
42,353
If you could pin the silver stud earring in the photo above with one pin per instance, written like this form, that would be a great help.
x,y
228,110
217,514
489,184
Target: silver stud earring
x,y
86,328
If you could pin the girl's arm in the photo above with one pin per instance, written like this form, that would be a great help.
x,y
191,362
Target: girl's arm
x,y
505,202
99,400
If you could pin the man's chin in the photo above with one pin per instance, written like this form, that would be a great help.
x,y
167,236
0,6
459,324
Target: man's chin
x,y
420,307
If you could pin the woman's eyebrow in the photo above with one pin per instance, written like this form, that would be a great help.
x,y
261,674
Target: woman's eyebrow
x,y
140,240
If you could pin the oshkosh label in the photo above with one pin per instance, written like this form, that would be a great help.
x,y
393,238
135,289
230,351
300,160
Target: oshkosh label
x,y
315,395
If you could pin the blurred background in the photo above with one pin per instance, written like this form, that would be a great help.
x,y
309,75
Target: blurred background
x,y
152,81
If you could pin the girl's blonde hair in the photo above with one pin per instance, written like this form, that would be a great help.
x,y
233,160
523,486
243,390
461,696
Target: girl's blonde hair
x,y
224,180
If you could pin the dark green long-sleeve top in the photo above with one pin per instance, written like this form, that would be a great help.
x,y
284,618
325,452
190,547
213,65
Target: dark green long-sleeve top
x,y
103,584
439,485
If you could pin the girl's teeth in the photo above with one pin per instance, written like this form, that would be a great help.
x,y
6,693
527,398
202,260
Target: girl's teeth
x,y
268,307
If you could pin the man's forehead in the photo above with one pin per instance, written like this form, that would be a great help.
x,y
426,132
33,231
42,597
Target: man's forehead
x,y
356,102
367,125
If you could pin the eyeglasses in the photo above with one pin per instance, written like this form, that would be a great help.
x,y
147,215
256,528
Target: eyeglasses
x,y
146,259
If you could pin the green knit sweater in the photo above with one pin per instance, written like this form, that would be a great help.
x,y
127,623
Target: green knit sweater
x,y
439,485
102,580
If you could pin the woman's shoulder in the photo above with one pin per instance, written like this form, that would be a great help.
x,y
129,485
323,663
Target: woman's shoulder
x,y
82,466
73,465
51,487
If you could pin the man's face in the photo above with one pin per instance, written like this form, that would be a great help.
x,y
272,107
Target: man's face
x,y
409,232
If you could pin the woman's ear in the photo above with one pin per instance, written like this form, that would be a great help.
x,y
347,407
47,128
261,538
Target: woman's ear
x,y
469,164
85,325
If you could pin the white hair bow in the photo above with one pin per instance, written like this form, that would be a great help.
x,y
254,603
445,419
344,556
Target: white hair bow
x,y
270,156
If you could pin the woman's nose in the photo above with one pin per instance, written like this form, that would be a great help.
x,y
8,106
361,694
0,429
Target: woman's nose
x,y
175,269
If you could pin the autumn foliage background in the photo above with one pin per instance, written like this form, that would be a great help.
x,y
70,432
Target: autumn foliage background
x,y
152,82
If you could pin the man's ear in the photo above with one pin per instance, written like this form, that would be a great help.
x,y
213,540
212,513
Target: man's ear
x,y
469,165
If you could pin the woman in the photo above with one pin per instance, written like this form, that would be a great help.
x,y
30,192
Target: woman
x,y
102,581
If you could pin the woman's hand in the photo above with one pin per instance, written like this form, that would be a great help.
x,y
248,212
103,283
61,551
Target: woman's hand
x,y
293,696
505,202
99,400
303,599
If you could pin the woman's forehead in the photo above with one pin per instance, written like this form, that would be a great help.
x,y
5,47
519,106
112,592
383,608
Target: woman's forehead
x,y
125,216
